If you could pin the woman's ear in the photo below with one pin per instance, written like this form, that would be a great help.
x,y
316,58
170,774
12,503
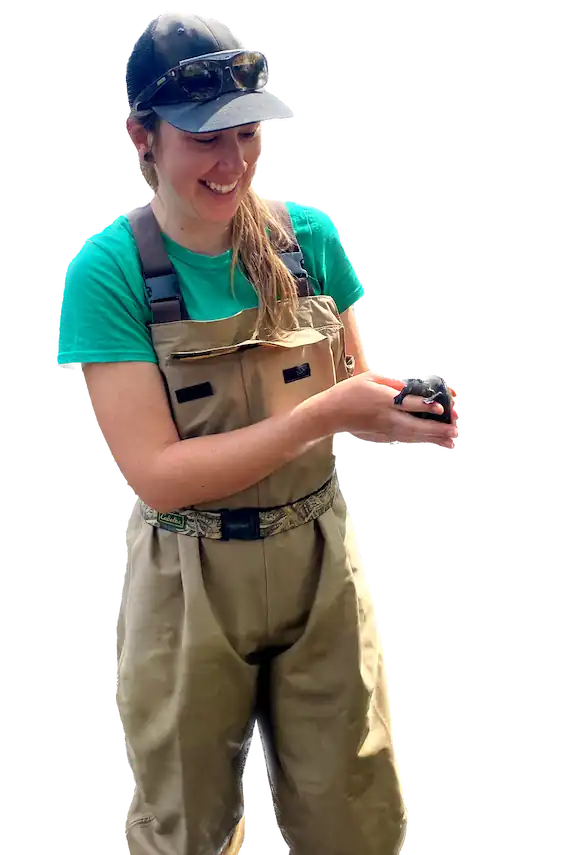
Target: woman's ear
x,y
127,127
139,136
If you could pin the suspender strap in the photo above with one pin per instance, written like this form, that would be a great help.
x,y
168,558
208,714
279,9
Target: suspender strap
x,y
293,259
161,281
160,278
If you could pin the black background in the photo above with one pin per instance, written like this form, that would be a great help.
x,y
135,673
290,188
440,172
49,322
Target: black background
x,y
407,114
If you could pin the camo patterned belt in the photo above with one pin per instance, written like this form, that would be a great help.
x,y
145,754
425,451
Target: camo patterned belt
x,y
246,523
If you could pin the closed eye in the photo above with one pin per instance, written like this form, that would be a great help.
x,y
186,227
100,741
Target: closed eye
x,y
214,139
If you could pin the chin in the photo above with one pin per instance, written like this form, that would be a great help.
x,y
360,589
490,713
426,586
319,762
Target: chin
x,y
220,210
219,217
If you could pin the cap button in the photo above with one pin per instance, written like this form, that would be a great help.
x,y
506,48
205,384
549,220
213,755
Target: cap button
x,y
181,30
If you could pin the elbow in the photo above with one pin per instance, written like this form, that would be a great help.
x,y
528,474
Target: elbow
x,y
145,494
149,489
156,497
152,483
158,501
162,506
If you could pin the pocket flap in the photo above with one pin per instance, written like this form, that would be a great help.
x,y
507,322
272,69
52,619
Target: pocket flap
x,y
291,339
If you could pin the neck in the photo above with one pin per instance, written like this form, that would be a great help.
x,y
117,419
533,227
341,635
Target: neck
x,y
205,238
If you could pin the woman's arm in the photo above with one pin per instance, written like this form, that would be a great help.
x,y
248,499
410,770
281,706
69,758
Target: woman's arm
x,y
167,473
354,346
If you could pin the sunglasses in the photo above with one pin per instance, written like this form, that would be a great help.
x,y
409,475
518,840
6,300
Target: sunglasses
x,y
210,75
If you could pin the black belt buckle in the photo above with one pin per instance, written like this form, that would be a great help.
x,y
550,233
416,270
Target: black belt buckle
x,y
240,524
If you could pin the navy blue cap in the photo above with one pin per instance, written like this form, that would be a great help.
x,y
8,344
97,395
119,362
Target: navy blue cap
x,y
168,40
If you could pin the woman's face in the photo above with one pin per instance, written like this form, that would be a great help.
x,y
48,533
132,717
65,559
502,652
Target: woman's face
x,y
206,175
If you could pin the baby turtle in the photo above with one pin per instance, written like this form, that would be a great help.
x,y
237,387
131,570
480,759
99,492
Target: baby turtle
x,y
433,390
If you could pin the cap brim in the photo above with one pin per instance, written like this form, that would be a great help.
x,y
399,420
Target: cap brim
x,y
228,111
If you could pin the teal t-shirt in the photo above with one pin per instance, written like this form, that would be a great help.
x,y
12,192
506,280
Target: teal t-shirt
x,y
105,313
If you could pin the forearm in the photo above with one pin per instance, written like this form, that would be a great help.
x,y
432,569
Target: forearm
x,y
209,468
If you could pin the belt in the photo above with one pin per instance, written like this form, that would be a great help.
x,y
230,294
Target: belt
x,y
246,523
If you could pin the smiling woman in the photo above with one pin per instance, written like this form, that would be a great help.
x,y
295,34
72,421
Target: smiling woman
x,y
203,199
230,188
151,125
212,327
182,165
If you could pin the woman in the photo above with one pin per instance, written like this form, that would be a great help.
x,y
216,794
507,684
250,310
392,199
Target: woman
x,y
213,331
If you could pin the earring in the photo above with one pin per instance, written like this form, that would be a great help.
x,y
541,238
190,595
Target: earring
x,y
148,157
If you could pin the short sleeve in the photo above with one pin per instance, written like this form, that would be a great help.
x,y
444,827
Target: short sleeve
x,y
334,270
103,315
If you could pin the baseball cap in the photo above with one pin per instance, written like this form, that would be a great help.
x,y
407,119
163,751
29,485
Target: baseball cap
x,y
168,40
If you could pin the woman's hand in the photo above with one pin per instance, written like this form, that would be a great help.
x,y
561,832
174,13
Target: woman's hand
x,y
363,406
455,416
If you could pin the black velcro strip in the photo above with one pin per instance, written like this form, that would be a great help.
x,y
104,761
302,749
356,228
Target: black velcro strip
x,y
299,372
194,393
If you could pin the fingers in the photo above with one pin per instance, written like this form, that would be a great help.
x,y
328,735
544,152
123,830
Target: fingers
x,y
388,381
380,437
406,428
416,404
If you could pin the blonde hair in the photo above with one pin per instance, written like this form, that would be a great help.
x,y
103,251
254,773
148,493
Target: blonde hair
x,y
257,237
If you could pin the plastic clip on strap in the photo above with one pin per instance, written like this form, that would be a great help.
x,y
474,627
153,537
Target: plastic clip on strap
x,y
293,259
161,281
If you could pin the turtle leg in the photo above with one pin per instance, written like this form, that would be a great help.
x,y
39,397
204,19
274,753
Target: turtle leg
x,y
432,399
399,398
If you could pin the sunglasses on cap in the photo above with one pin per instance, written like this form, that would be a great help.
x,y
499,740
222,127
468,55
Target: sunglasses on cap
x,y
206,77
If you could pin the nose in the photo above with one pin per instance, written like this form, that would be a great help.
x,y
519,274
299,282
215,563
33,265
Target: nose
x,y
231,155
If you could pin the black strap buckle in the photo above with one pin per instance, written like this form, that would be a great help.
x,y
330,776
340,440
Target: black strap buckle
x,y
240,524
162,287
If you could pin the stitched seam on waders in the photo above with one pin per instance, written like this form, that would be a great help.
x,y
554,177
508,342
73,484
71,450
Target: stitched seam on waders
x,y
249,413
143,820
267,616
124,604
334,327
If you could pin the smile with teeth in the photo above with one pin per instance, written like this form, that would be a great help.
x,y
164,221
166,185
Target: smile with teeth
x,y
221,188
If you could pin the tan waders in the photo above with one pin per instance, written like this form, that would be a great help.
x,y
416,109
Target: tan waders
x,y
254,609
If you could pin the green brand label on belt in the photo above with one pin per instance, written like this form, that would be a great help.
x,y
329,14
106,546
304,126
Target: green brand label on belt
x,y
174,520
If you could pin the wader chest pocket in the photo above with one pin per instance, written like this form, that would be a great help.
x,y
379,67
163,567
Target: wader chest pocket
x,y
189,355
